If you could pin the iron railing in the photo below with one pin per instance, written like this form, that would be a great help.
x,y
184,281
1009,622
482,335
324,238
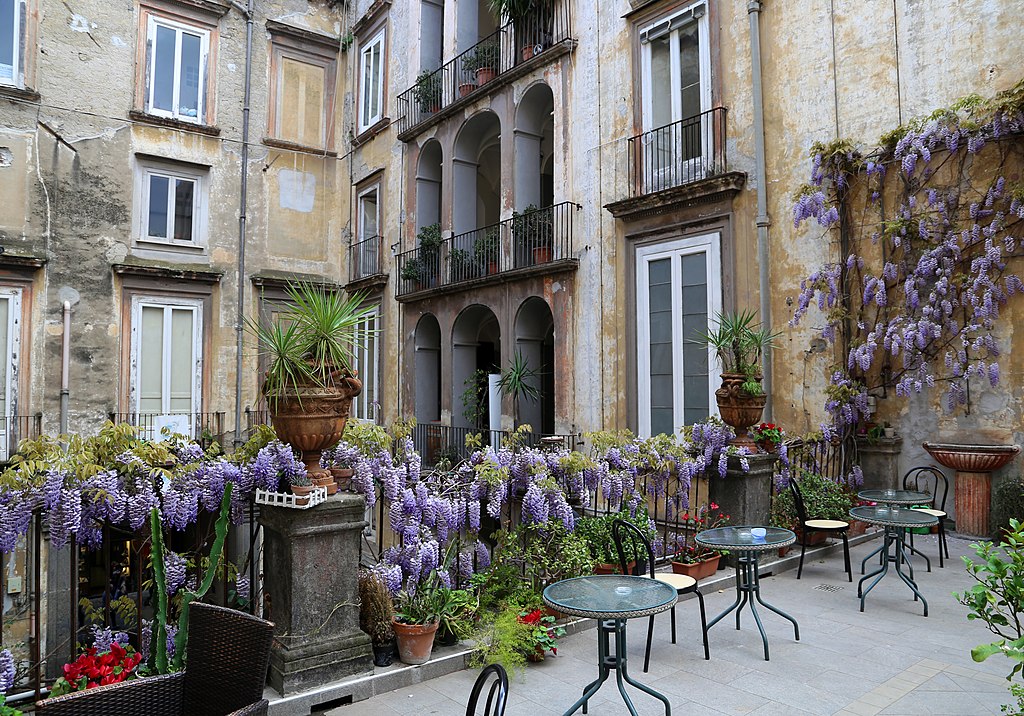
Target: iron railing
x,y
365,258
14,428
204,428
532,238
680,153
254,418
469,72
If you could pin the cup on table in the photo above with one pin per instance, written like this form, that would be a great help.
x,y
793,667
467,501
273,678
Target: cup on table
x,y
744,535
882,510
758,533
894,511
889,493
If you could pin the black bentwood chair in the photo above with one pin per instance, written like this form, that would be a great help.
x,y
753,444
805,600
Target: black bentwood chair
x,y
496,695
920,477
810,526
630,540
228,653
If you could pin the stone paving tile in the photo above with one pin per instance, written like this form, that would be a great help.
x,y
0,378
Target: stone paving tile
x,y
946,703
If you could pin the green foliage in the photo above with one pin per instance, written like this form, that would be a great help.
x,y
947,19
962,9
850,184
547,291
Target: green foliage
x,y
6,710
504,639
261,436
486,245
597,532
430,238
483,56
375,609
740,342
533,227
824,499
427,90
370,438
502,585
456,610
998,597
474,398
545,553
603,440
1007,503
401,428
518,381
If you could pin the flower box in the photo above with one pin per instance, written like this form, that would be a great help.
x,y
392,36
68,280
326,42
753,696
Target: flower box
x,y
697,570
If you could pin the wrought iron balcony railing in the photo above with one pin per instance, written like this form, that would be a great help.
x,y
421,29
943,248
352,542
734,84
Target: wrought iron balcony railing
x,y
202,427
679,153
365,258
14,428
509,46
532,238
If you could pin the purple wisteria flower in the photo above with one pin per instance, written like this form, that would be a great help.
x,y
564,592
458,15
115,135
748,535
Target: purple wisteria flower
x,y
6,670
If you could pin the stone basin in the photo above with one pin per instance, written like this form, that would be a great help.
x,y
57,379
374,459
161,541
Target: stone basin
x,y
971,458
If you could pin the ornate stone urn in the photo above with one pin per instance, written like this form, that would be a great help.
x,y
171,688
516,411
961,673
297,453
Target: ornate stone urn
x,y
974,465
738,408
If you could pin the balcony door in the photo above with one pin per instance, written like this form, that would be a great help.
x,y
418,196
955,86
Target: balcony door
x,y
10,315
678,140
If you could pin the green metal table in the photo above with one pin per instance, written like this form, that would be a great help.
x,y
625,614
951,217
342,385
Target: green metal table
x,y
740,540
899,498
895,520
611,599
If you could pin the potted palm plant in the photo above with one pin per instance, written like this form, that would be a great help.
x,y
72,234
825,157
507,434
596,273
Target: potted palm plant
x,y
310,379
519,381
739,342
532,19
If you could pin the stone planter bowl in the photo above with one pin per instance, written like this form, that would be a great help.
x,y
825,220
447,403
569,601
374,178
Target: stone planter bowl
x,y
971,458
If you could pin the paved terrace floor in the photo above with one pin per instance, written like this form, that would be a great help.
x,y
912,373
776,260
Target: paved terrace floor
x,y
888,660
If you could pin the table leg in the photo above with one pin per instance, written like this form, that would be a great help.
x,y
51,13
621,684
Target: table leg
x,y
864,561
915,550
734,605
766,605
878,574
909,580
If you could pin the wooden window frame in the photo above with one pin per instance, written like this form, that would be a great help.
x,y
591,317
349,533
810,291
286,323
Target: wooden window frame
x,y
379,35
145,167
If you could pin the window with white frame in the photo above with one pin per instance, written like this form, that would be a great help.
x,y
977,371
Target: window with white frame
x,y
167,362
678,286
10,331
176,69
12,42
368,232
675,90
367,363
371,82
172,203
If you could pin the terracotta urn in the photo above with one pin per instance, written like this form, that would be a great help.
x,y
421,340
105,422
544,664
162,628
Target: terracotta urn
x,y
738,408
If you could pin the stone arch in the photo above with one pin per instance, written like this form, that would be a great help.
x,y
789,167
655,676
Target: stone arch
x,y
534,339
427,369
428,184
533,132
476,345
476,170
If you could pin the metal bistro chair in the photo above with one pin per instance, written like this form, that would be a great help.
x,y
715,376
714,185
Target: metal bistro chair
x,y
496,695
913,480
810,526
228,653
625,533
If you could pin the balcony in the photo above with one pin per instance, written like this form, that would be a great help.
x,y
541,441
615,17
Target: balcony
x,y
509,52
531,243
681,162
14,428
202,427
366,263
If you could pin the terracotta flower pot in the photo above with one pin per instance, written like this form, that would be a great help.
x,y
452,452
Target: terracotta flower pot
x,y
738,408
697,570
541,254
485,75
465,88
301,493
606,568
343,476
414,641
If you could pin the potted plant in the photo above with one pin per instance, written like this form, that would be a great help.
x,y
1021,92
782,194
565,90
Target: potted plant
x,y
533,232
376,614
427,91
739,343
544,552
768,436
693,560
415,623
483,60
824,499
597,531
467,87
532,20
310,379
301,485
544,633
519,381
423,268
486,248
463,267
341,460
456,609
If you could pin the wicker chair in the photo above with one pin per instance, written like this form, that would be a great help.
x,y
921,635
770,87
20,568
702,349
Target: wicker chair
x,y
228,653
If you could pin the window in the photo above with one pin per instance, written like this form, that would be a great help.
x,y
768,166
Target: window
x,y
676,89
167,362
364,405
176,68
678,289
10,330
366,255
371,82
12,42
171,203
302,88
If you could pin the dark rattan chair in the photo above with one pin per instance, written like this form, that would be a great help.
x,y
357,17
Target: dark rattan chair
x,y
809,526
630,540
228,653
496,695
918,478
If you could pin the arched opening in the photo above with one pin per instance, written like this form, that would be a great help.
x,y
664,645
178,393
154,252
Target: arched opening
x,y
477,174
428,185
427,367
535,342
431,34
534,132
476,353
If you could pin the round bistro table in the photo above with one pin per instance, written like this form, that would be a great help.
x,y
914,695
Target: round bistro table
x,y
899,498
894,549
748,583
611,599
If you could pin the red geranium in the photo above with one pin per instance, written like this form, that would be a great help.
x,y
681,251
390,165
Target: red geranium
x,y
91,669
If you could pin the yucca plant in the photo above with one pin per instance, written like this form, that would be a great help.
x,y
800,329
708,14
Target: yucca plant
x,y
740,342
517,381
314,339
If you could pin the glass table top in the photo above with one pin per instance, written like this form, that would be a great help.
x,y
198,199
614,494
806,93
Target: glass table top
x,y
742,538
896,497
610,596
887,516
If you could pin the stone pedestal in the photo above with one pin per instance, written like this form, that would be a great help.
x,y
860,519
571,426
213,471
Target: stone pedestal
x,y
879,460
310,563
745,496
972,499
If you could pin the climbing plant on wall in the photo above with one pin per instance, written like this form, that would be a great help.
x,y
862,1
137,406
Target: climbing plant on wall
x,y
924,230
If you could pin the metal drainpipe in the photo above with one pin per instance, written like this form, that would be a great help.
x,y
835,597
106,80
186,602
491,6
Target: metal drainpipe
x,y
242,201
763,221
65,369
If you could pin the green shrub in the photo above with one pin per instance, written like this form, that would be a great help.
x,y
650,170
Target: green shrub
x,y
824,499
1007,503
504,639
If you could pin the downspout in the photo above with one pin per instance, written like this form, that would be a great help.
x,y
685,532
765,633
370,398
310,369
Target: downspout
x,y
65,369
763,221
242,201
